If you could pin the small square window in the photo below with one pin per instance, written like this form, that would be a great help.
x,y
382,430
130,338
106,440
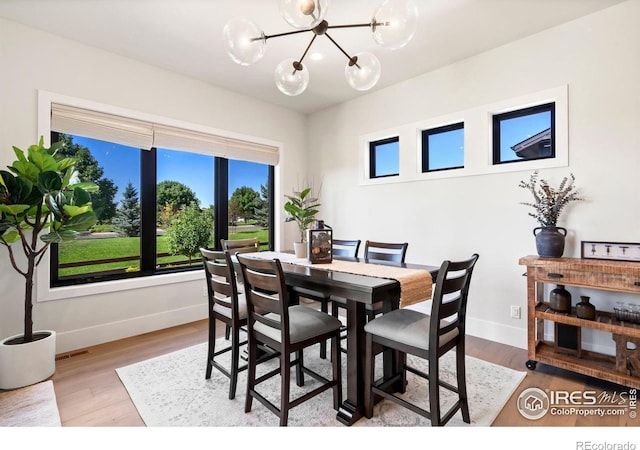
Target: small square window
x,y
524,135
384,158
443,148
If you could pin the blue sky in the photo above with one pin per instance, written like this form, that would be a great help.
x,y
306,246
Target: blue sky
x,y
122,164
518,129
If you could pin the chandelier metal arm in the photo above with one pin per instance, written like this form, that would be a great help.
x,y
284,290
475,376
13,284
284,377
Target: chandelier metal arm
x,y
298,64
269,36
360,25
289,33
352,59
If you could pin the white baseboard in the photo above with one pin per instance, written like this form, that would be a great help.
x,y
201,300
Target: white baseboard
x,y
517,337
492,331
107,332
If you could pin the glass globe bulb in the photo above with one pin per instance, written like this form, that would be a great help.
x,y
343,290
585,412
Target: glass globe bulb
x,y
289,80
303,14
244,41
365,73
398,21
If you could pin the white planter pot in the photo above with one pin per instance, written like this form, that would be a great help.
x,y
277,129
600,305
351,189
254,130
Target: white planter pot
x,y
300,249
25,364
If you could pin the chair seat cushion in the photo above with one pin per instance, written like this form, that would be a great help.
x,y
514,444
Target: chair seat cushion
x,y
407,326
304,323
226,312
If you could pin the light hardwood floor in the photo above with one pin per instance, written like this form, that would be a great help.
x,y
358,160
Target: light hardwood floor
x,y
90,394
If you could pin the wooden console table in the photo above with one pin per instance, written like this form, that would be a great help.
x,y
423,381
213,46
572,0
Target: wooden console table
x,y
617,276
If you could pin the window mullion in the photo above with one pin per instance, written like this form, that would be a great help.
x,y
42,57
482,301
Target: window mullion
x,y
221,196
148,183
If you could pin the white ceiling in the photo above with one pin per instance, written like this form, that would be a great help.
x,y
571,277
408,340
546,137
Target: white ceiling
x,y
185,36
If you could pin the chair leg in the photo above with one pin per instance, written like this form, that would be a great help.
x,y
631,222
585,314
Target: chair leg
x,y
324,307
299,366
227,332
235,361
336,366
369,367
434,390
402,363
285,385
462,383
251,373
211,348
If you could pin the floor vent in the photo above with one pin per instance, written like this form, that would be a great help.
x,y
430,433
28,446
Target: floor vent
x,y
71,355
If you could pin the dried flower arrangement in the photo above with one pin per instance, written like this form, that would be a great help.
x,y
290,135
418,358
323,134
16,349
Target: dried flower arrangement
x,y
549,202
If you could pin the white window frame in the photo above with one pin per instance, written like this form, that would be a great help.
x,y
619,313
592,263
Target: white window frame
x,y
44,291
478,146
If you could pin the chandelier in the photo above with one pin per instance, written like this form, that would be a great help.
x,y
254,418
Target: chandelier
x,y
392,26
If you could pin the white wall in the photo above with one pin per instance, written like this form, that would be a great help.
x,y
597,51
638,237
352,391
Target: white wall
x,y
598,57
31,60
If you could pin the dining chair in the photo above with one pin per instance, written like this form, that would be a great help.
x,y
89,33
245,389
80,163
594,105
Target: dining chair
x,y
288,329
385,251
234,246
345,247
228,306
376,251
426,336
339,247
240,245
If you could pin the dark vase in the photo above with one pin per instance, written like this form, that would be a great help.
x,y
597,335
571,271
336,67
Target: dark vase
x,y
584,309
550,241
560,299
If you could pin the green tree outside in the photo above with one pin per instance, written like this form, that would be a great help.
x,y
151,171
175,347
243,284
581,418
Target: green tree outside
x,y
176,195
127,219
189,231
261,209
244,199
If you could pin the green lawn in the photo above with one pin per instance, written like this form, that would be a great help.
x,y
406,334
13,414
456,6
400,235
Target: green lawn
x,y
86,250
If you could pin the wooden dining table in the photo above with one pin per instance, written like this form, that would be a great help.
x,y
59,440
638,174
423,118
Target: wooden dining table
x,y
359,291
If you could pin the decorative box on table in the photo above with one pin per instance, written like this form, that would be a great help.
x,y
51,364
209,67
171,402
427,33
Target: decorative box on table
x,y
319,243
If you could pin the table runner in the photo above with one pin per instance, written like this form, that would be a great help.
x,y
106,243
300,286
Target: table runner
x,y
415,284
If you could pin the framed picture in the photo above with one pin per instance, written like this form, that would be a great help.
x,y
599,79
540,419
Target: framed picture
x,y
616,251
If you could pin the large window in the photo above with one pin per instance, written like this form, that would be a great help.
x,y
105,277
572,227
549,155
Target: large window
x,y
384,158
524,135
443,148
156,206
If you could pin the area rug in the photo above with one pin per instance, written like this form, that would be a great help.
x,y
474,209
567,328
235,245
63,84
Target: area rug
x,y
171,390
31,406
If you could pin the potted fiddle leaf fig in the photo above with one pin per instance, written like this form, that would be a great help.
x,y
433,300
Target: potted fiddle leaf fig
x,y
302,208
41,202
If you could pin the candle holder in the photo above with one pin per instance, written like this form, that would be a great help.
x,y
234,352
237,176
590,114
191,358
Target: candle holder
x,y
319,243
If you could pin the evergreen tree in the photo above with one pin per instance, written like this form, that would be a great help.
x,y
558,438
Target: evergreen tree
x,y
261,211
127,219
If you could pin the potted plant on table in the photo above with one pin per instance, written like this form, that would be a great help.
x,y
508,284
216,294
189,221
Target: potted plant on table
x,y
302,208
548,203
41,202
